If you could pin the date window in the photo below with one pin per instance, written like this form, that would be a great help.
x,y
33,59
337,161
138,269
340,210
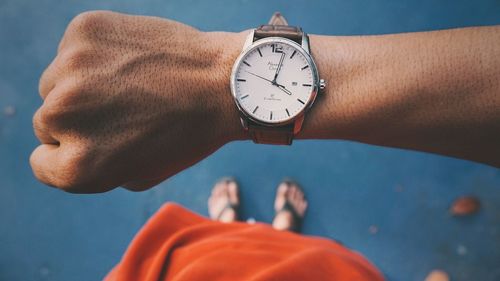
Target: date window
x,y
294,83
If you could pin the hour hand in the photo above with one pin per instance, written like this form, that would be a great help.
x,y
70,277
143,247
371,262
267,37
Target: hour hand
x,y
278,68
284,89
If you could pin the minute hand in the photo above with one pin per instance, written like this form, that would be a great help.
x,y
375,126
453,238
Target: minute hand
x,y
281,87
260,77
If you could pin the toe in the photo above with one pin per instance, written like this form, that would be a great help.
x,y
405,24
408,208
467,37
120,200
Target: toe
x,y
283,188
300,193
293,192
233,192
219,198
217,188
224,188
281,195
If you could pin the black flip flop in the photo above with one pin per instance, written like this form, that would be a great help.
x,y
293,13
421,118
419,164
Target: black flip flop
x,y
228,205
288,207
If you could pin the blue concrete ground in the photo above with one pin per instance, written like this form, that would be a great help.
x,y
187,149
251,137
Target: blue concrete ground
x,y
46,234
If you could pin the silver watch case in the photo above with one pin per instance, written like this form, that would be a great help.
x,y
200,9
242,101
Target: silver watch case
x,y
304,50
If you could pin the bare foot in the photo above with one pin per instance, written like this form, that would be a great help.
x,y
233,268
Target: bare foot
x,y
285,219
224,200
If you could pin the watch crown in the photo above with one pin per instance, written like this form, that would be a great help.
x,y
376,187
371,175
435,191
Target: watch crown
x,y
322,84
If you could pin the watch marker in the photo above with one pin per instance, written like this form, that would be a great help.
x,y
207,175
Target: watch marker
x,y
304,67
246,63
306,85
301,101
245,96
255,109
293,54
271,116
260,53
241,80
288,113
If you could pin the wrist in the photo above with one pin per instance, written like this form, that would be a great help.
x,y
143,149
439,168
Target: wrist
x,y
331,115
326,119
226,47
339,111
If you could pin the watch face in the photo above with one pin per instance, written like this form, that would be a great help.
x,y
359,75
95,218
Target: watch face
x,y
274,81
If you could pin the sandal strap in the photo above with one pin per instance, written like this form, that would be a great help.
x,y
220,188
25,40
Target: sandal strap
x,y
297,219
228,205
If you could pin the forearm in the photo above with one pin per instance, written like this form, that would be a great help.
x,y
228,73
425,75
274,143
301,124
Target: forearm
x,y
430,91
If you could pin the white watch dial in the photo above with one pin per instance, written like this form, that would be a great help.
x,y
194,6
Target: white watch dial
x,y
273,82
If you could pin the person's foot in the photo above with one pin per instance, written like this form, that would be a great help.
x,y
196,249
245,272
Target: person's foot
x,y
290,206
224,201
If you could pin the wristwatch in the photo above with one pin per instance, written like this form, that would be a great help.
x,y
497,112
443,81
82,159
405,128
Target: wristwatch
x,y
274,81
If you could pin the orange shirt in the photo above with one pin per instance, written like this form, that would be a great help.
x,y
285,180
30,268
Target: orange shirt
x,y
176,244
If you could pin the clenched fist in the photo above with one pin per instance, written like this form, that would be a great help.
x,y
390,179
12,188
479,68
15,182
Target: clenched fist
x,y
132,100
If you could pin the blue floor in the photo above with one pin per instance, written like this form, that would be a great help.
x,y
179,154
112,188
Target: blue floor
x,y
389,204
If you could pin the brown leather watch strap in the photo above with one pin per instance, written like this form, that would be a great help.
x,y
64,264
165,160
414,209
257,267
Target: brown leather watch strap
x,y
290,32
277,27
271,135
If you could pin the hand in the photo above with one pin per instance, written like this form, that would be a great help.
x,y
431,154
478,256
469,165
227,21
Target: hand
x,y
256,75
281,87
132,100
278,68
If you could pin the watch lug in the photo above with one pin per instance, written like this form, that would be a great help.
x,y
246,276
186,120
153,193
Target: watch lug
x,y
244,123
249,40
297,126
305,43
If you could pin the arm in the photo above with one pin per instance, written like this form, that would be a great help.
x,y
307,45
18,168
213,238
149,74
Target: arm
x,y
435,91
430,91
132,100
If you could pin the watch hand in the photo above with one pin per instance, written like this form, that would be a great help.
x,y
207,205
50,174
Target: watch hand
x,y
275,84
260,77
284,89
278,68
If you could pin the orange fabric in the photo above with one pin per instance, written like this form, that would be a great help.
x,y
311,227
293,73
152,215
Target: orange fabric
x,y
176,244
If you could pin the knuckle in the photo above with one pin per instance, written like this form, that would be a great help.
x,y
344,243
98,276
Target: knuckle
x,y
65,98
75,59
46,116
62,106
40,125
39,120
43,83
87,21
